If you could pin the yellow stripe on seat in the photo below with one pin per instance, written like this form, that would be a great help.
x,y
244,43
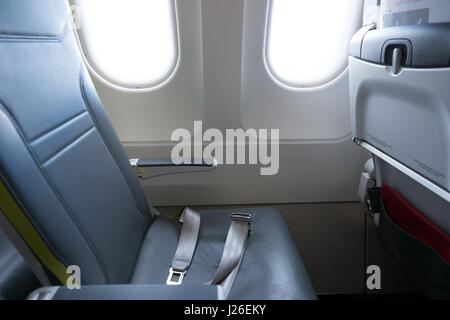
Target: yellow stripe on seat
x,y
29,234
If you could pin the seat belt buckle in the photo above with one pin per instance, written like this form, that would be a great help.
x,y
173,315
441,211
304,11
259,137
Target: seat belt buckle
x,y
243,216
174,274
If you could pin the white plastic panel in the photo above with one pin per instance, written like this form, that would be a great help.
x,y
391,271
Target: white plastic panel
x,y
307,41
407,116
319,114
215,82
130,43
148,117
395,12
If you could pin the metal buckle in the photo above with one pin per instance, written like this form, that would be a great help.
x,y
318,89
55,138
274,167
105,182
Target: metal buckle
x,y
242,216
172,273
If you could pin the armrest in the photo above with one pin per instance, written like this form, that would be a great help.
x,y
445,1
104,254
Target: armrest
x,y
128,292
149,168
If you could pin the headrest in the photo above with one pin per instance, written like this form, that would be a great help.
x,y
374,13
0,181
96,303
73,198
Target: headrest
x,y
33,18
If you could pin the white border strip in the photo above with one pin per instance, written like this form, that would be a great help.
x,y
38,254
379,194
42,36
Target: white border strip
x,y
444,194
79,36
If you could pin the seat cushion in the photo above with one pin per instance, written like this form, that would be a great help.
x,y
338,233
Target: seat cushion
x,y
271,268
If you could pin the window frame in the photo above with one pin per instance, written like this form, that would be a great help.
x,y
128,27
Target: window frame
x,y
286,83
120,86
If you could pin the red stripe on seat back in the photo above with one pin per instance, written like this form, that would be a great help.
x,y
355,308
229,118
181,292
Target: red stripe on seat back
x,y
412,221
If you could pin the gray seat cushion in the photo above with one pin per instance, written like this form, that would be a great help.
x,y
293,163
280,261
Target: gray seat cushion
x,y
271,268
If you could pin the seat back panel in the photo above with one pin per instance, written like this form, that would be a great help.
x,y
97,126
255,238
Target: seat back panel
x,y
60,156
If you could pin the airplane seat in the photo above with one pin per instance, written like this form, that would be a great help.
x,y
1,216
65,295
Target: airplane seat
x,y
69,191
400,104
16,278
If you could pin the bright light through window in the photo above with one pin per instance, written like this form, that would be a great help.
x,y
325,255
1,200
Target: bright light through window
x,y
308,40
131,43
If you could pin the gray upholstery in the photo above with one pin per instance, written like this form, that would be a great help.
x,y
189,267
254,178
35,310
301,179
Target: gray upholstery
x,y
139,292
270,255
16,279
64,165
28,19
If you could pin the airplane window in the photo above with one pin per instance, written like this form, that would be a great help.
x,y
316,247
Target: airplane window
x,y
307,41
130,43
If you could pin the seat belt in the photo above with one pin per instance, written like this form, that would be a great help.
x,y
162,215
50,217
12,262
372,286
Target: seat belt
x,y
233,253
186,247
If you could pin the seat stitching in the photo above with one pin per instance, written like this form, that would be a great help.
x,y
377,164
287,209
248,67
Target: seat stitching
x,y
58,195
11,37
49,131
56,153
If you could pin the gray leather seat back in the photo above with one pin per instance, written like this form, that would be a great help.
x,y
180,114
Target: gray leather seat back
x,y
60,157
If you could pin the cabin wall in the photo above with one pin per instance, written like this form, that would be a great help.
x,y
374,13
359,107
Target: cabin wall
x,y
215,83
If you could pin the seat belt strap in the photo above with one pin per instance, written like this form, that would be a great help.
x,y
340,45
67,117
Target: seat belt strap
x,y
186,247
233,251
